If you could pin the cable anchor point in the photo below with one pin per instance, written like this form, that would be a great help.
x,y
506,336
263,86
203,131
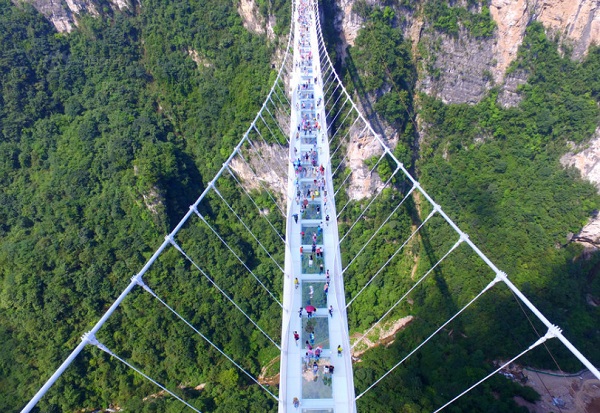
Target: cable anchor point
x,y
553,331
501,276
89,338
194,208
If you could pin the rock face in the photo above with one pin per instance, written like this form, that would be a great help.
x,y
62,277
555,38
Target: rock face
x,y
509,95
63,14
348,24
462,69
578,21
362,183
200,60
511,17
253,21
251,171
587,161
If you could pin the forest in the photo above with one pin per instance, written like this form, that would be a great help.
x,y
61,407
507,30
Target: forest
x,y
100,124
497,172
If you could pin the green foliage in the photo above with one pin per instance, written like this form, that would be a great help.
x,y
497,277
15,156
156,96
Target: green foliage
x,y
106,135
514,182
381,60
449,19
497,173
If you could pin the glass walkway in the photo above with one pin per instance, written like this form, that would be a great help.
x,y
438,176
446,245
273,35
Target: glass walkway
x,y
316,368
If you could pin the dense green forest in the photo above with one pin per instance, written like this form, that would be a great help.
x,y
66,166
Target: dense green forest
x,y
109,133
497,173
96,126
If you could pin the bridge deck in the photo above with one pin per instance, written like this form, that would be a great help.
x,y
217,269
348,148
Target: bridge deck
x,y
310,199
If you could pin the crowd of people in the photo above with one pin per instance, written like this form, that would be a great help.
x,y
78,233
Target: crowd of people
x,y
310,204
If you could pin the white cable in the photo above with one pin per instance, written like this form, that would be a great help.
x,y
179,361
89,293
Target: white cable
x,y
370,172
343,140
347,177
238,257
178,248
378,229
149,290
339,128
332,94
338,112
409,291
254,202
248,229
550,334
263,186
369,205
391,258
283,167
277,124
282,92
92,340
487,287
271,131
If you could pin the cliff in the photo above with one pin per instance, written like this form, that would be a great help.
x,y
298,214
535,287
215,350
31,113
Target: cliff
x,y
462,68
587,161
64,14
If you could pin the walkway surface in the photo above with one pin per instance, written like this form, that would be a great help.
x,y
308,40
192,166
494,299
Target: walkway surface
x,y
313,339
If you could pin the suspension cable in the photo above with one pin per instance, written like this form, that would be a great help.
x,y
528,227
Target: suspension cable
x,y
254,202
410,290
338,112
237,256
370,172
487,287
92,340
378,229
283,168
263,160
149,290
391,258
248,229
552,332
271,131
331,95
178,248
348,133
248,164
282,93
284,134
371,203
339,128
348,177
